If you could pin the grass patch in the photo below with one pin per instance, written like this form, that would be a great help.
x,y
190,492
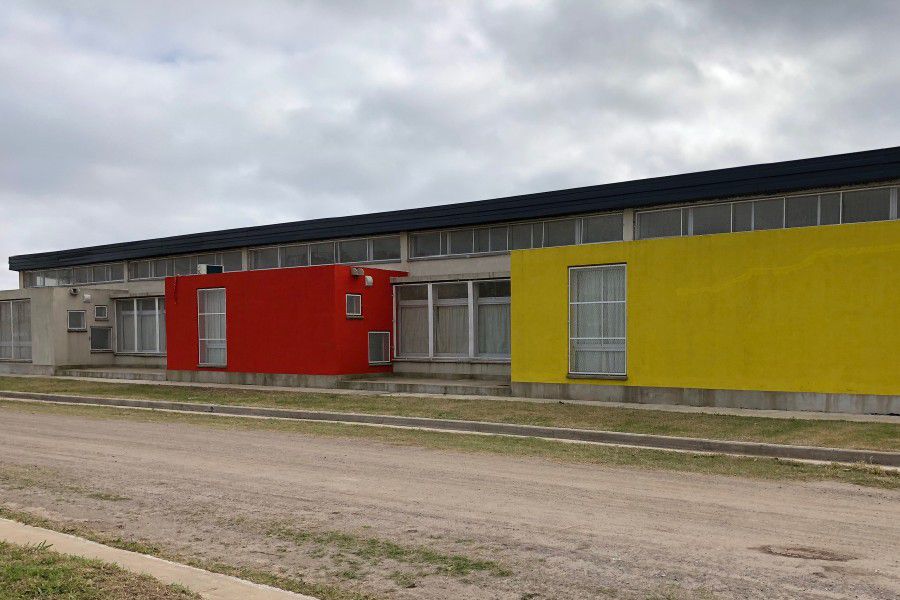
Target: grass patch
x,y
375,550
23,477
28,572
732,466
285,582
831,433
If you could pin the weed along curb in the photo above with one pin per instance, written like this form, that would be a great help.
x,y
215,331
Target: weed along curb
x,y
658,442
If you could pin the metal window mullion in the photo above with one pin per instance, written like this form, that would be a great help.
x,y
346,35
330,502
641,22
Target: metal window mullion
x,y
156,307
430,321
471,308
135,313
894,207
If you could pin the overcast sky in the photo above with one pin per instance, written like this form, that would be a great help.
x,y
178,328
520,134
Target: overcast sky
x,y
126,120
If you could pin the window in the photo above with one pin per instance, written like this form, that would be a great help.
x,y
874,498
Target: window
x,y
597,320
101,339
492,318
768,214
354,305
520,236
76,320
464,319
462,242
386,248
351,251
801,211
101,312
602,228
264,258
379,347
294,256
412,320
713,218
659,223
15,330
425,244
866,205
211,327
560,233
321,253
451,319
141,325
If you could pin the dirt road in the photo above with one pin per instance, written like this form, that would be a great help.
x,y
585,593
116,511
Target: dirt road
x,y
563,531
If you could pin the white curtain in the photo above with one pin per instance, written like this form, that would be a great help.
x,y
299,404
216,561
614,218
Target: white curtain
x,y
147,334
493,329
413,330
125,341
211,307
451,330
597,320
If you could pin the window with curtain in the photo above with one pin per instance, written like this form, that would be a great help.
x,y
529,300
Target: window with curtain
x,y
492,318
141,325
412,320
462,319
15,330
597,320
211,326
451,319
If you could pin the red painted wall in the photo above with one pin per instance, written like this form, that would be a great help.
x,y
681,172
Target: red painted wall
x,y
283,320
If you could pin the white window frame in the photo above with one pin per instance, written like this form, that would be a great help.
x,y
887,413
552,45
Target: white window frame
x,y
687,214
200,338
91,339
158,351
369,348
470,302
104,316
353,315
69,314
570,303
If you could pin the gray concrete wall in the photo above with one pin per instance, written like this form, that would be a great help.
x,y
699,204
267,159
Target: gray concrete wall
x,y
445,368
808,401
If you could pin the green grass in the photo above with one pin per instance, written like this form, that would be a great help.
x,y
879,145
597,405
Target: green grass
x,y
292,584
830,433
376,550
610,456
30,572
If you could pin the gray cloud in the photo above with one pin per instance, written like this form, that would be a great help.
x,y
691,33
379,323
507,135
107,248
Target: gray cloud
x,y
129,120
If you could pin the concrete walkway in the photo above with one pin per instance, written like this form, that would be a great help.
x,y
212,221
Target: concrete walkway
x,y
211,586
709,410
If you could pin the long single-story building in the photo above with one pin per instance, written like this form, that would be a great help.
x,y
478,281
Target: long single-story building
x,y
769,286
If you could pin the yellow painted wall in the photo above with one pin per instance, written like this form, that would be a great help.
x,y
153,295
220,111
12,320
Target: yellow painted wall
x,y
813,309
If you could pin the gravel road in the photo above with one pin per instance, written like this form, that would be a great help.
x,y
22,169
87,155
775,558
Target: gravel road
x,y
562,530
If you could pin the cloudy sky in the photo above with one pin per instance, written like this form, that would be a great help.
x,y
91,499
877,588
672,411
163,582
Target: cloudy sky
x,y
126,120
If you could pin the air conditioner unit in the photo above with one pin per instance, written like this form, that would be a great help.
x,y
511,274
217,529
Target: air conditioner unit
x,y
209,269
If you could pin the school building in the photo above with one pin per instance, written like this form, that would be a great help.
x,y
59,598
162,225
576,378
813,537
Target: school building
x,y
765,286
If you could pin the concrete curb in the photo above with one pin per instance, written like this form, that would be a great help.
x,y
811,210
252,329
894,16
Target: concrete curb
x,y
212,586
840,455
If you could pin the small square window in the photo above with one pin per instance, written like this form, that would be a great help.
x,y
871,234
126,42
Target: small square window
x,y
101,339
354,306
77,320
101,312
379,348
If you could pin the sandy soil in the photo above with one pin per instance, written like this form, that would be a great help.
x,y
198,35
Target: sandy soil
x,y
564,531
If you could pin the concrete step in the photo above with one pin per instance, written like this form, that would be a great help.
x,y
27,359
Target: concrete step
x,y
124,374
465,387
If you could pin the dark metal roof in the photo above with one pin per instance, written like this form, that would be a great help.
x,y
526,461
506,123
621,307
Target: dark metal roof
x,y
781,177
